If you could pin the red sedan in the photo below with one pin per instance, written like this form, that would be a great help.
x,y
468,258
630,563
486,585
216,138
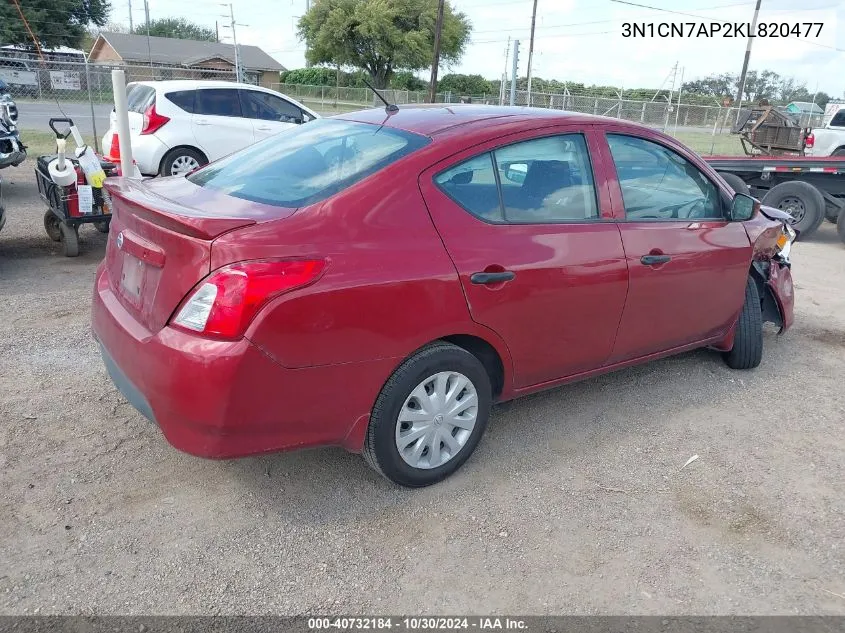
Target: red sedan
x,y
377,280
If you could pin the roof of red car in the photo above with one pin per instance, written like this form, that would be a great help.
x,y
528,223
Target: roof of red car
x,y
433,118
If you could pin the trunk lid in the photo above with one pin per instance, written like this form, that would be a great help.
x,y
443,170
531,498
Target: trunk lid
x,y
160,240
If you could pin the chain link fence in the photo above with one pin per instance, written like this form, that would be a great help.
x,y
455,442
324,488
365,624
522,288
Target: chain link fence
x,y
82,91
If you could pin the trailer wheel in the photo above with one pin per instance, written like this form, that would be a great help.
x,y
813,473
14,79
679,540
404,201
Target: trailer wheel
x,y
102,227
831,213
70,239
51,225
840,226
736,183
802,201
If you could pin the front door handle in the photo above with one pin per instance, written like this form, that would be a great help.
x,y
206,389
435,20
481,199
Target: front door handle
x,y
265,128
201,122
653,260
492,278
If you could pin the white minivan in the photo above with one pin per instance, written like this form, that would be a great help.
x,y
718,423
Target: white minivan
x,y
177,126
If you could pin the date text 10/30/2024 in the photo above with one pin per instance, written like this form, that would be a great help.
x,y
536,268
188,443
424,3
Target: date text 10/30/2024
x,y
417,623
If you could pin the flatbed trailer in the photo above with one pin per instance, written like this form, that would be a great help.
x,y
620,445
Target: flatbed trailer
x,y
809,189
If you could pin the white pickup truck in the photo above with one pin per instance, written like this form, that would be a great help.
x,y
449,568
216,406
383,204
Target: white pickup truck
x,y
830,139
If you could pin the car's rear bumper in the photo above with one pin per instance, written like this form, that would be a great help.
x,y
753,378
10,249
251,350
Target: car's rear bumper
x,y
147,151
228,399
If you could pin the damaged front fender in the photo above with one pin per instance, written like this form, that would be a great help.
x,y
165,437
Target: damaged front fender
x,y
777,295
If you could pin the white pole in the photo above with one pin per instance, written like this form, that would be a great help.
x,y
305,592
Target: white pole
x,y
127,166
678,107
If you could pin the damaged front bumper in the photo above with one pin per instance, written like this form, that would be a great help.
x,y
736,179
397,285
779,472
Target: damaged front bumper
x,y
777,293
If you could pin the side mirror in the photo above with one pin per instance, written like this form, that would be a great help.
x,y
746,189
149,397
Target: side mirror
x,y
516,172
742,207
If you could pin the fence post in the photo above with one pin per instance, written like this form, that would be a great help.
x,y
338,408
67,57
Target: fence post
x,y
91,105
596,106
642,113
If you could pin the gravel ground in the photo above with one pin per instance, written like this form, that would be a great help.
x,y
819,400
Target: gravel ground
x,y
575,501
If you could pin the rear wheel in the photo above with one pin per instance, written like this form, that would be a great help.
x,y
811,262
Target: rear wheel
x,y
429,416
840,225
51,226
181,161
802,201
70,239
747,351
736,183
831,213
839,152
102,227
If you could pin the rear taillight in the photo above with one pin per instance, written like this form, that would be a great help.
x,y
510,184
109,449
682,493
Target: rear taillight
x,y
224,303
810,140
153,121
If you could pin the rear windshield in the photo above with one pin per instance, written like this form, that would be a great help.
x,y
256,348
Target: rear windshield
x,y
139,98
310,163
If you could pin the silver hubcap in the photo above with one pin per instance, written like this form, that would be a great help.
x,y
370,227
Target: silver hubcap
x,y
182,165
436,420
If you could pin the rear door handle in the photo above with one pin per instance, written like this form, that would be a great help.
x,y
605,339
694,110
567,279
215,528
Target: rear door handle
x,y
265,128
653,260
492,278
201,121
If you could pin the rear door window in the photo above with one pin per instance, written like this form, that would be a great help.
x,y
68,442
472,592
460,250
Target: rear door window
x,y
838,119
309,163
183,98
218,102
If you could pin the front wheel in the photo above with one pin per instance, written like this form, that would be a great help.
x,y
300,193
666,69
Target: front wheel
x,y
747,351
429,416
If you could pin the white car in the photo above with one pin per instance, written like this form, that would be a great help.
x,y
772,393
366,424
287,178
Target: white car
x,y
177,126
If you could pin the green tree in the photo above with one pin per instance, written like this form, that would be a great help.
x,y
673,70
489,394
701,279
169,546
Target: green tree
x,y
406,80
381,36
465,85
53,23
177,28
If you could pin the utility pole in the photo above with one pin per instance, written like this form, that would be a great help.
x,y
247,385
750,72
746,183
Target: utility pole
x,y
531,50
742,75
130,16
505,74
149,47
235,42
432,88
307,9
514,71
216,32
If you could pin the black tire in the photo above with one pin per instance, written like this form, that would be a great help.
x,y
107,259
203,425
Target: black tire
x,y
2,217
747,351
51,226
840,226
380,450
70,239
102,227
801,199
736,183
831,213
839,152
180,153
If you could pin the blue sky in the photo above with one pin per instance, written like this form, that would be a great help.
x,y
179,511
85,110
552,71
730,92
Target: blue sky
x,y
576,40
